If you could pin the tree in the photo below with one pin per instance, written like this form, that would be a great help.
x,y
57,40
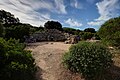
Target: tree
x,y
92,30
1,30
7,17
71,30
109,32
53,25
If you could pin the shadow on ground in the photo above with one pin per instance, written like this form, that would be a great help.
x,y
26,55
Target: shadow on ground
x,y
113,73
39,73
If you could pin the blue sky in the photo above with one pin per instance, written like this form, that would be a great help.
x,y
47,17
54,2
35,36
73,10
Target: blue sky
x,y
79,14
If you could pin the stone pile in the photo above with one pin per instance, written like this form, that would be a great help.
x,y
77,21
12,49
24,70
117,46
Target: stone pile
x,y
49,35
73,39
53,35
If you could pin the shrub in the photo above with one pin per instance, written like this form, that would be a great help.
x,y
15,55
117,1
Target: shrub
x,y
109,32
88,59
17,31
87,35
15,62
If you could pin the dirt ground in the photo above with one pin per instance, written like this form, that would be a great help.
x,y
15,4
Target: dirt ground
x,y
48,58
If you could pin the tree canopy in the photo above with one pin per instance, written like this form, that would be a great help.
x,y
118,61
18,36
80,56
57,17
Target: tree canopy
x,y
12,28
71,30
110,32
92,30
1,29
7,17
53,25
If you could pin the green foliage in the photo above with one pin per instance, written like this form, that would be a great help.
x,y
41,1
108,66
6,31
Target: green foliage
x,y
17,31
92,30
36,29
1,29
97,37
86,35
110,32
13,28
15,62
53,25
7,17
71,31
88,59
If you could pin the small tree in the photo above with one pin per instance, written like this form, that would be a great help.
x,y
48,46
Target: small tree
x,y
89,59
92,30
53,25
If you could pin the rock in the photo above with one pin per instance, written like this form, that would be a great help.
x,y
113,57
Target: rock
x,y
49,35
72,40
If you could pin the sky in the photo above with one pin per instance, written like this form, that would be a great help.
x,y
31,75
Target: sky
x,y
78,14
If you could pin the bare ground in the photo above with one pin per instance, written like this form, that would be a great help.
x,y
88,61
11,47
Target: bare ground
x,y
48,57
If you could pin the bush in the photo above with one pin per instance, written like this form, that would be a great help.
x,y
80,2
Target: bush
x,y
15,62
17,31
89,59
87,35
109,32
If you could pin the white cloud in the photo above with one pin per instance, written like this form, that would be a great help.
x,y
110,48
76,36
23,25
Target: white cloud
x,y
73,23
107,9
27,10
95,23
60,6
76,4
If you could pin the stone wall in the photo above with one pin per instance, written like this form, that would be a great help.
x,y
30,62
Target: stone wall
x,y
49,35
